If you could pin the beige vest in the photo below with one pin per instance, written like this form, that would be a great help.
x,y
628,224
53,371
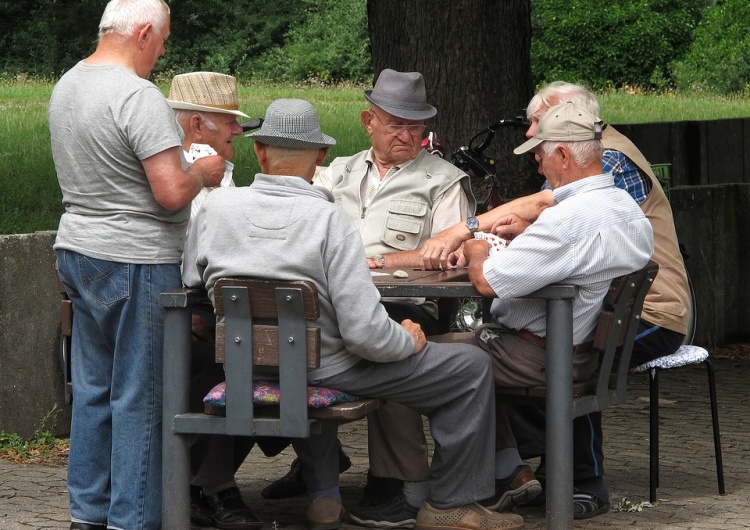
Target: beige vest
x,y
667,301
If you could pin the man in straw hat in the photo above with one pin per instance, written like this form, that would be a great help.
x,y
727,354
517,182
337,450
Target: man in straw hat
x,y
398,195
116,147
295,231
206,105
593,234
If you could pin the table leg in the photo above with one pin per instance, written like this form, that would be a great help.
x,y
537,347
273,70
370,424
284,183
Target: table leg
x,y
559,414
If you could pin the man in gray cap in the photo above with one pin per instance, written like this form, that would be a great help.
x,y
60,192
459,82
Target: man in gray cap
x,y
398,195
293,230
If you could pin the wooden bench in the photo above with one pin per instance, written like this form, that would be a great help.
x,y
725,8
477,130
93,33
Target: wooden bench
x,y
266,331
613,342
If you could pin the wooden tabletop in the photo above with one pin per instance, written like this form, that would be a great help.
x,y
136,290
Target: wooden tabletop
x,y
449,283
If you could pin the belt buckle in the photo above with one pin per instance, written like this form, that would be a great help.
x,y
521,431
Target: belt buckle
x,y
487,334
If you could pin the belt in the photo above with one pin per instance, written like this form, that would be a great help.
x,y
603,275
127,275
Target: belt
x,y
541,342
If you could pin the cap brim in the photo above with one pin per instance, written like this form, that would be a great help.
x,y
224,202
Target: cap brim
x,y
181,105
527,146
424,112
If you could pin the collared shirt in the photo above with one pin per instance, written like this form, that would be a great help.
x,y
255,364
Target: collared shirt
x,y
627,175
593,234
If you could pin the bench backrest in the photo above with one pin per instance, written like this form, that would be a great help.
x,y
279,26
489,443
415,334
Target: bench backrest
x,y
266,321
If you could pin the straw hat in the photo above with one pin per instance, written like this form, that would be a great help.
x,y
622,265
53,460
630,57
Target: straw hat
x,y
563,123
292,123
205,91
401,94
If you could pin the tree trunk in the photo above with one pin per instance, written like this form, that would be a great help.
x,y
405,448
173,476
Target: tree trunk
x,y
475,57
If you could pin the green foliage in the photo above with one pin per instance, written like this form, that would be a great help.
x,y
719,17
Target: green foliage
x,y
332,45
603,44
719,60
42,446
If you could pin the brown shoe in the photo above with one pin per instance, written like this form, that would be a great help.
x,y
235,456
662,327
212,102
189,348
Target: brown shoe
x,y
520,488
467,517
325,513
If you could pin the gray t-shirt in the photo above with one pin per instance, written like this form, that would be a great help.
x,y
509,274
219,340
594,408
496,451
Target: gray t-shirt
x,y
103,121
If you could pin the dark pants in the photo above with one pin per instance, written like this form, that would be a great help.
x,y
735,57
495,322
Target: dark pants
x,y
528,422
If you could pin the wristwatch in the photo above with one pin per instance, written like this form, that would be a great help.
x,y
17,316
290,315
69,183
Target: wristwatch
x,y
472,223
380,259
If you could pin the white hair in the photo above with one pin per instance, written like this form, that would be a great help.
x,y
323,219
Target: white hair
x,y
561,91
123,17
183,115
583,153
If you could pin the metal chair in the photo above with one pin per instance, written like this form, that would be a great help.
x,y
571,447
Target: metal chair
x,y
685,356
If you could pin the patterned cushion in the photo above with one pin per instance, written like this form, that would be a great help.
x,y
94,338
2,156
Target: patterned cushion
x,y
267,393
684,356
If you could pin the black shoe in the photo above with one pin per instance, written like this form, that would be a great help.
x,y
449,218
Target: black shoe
x,y
200,512
396,513
293,484
229,511
380,490
587,505
87,526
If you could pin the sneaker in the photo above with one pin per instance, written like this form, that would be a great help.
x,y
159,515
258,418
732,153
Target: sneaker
x,y
468,517
588,505
396,513
380,490
520,488
325,513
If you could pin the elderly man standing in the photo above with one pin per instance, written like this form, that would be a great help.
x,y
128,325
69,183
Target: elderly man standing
x,y
206,105
366,353
397,195
116,147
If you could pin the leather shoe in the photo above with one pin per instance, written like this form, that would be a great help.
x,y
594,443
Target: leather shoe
x,y
325,513
229,511
293,484
520,488
87,526
200,512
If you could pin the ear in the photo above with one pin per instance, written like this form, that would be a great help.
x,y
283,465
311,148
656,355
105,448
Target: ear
x,y
366,117
261,153
143,34
565,155
322,155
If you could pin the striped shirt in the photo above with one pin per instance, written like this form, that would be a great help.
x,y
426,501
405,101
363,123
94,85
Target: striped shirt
x,y
594,234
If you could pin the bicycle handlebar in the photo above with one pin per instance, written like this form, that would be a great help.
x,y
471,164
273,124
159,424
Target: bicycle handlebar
x,y
517,122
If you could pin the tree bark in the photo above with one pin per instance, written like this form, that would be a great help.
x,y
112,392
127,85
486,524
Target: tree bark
x,y
475,57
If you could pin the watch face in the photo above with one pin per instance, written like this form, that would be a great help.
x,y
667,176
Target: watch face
x,y
472,223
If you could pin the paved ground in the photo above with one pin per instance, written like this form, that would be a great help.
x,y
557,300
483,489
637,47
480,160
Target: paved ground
x,y
33,497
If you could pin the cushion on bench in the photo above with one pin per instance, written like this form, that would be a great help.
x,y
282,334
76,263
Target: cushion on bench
x,y
267,393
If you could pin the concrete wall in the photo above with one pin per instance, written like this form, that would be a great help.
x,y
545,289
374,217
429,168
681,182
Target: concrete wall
x,y
30,376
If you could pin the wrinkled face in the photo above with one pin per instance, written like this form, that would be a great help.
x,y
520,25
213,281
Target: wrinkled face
x,y
227,129
394,140
551,166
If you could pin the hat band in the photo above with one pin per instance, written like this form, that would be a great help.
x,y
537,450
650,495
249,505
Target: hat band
x,y
223,107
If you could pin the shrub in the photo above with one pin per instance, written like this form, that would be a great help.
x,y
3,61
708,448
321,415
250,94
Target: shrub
x,y
629,42
331,45
719,59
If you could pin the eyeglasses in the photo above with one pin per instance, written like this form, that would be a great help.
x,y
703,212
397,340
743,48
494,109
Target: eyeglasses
x,y
393,129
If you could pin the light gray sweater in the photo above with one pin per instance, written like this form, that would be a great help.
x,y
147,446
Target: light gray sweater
x,y
284,228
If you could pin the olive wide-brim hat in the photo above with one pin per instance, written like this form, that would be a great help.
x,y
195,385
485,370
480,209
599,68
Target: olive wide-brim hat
x,y
401,94
205,92
292,123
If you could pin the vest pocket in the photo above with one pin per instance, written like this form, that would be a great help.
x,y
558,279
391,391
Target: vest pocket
x,y
403,228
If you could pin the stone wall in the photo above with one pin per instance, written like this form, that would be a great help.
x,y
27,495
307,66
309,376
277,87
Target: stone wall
x,y
30,376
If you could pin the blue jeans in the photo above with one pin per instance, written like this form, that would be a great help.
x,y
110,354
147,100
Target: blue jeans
x,y
114,470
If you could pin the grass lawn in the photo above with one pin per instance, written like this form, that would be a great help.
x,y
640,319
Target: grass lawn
x,y
31,199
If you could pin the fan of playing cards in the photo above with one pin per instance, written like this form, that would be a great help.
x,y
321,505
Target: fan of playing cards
x,y
497,243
